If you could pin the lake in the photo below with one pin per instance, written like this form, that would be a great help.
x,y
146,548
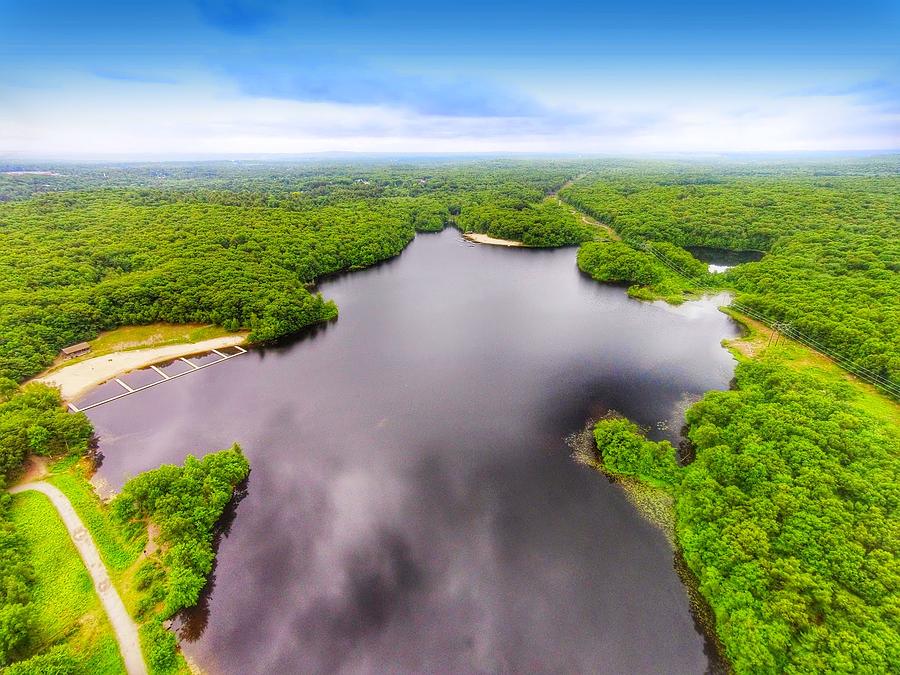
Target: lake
x,y
412,504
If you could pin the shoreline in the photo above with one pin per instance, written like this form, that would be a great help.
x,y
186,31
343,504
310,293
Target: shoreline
x,y
656,506
76,379
479,238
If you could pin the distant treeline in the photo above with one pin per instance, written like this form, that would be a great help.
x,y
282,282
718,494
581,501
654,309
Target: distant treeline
x,y
298,184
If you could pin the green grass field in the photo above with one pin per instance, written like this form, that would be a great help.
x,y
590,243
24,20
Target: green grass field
x,y
118,550
67,610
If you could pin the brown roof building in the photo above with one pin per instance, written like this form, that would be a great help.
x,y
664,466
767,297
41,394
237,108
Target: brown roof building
x,y
76,350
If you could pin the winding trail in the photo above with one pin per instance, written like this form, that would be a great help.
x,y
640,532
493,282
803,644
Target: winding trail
x,y
123,625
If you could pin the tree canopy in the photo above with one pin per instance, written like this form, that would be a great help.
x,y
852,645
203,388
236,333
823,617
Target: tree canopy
x,y
789,518
185,502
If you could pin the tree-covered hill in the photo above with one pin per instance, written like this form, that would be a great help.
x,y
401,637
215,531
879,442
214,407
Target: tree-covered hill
x,y
75,264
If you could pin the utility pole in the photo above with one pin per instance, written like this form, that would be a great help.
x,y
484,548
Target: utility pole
x,y
780,330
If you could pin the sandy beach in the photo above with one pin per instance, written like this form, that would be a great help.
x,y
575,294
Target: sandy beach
x,y
76,379
493,241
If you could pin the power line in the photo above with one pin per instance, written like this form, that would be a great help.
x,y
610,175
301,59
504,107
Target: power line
x,y
786,329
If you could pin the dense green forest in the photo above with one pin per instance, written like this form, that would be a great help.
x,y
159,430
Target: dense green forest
x,y
83,263
299,184
545,223
788,515
184,503
16,574
833,245
646,276
789,518
238,243
75,263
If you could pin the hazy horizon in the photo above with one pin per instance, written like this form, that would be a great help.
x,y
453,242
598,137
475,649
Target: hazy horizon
x,y
352,156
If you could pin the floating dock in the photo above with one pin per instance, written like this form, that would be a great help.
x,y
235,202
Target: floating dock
x,y
164,377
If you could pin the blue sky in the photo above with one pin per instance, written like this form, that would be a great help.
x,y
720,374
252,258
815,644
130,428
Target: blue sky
x,y
219,77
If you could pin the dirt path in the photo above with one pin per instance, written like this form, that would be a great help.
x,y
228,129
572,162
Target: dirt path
x,y
35,469
566,184
123,625
77,378
586,219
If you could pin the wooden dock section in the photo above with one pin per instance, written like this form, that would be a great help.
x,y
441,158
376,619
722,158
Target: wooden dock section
x,y
164,377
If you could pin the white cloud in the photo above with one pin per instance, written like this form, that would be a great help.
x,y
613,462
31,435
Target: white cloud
x,y
112,118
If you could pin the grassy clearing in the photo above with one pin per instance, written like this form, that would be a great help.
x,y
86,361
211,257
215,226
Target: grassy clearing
x,y
66,608
673,296
103,656
150,335
154,335
122,551
758,343
119,549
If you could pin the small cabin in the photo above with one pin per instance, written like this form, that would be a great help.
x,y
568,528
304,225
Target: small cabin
x,y
75,350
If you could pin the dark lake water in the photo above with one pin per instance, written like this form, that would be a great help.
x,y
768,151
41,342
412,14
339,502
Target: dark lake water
x,y
412,506
720,259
